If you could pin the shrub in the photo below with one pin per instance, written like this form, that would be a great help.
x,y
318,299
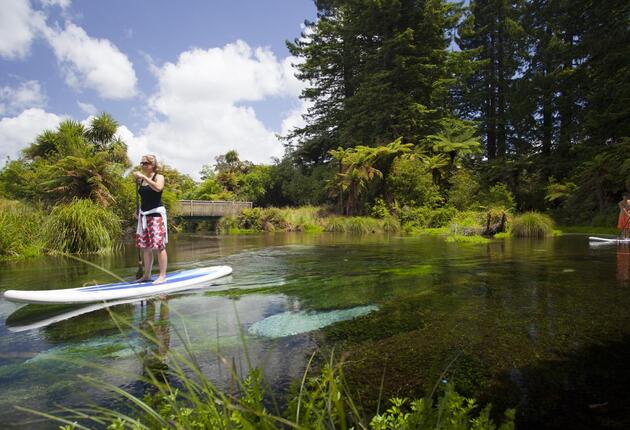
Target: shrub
x,y
499,197
379,209
532,224
464,190
467,223
82,227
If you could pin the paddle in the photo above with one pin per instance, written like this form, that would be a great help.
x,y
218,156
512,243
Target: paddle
x,y
140,271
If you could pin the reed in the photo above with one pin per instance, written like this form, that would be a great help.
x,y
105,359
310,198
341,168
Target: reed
x,y
82,227
532,224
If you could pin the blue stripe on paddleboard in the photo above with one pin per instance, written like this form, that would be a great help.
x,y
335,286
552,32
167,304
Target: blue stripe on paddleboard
x,y
122,286
117,284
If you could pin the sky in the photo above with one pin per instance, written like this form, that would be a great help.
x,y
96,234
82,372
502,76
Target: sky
x,y
186,81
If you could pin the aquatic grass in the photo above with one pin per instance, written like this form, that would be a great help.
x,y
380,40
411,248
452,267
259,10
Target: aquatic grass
x,y
503,235
418,270
82,227
532,224
474,239
20,230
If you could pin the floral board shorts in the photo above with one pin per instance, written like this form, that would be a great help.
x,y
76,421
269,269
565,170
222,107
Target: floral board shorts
x,y
153,236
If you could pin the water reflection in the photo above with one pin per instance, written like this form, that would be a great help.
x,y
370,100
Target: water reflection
x,y
623,262
155,328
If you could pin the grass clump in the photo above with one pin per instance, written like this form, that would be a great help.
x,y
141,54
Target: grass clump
x,y
532,224
20,227
474,239
82,227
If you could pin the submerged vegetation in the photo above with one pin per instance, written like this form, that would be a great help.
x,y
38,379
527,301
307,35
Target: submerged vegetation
x,y
178,395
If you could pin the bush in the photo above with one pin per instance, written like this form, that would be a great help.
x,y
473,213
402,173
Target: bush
x,y
464,190
499,197
532,224
20,227
82,227
467,223
411,184
379,209
424,217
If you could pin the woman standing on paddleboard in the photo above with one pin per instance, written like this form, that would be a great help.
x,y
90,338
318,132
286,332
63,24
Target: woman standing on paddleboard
x,y
151,233
623,223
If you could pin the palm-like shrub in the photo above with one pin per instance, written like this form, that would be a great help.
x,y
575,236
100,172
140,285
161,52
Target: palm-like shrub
x,y
94,178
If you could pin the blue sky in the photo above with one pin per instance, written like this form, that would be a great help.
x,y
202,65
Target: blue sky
x,y
186,80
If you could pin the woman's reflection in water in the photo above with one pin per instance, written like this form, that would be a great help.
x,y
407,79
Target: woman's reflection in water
x,y
623,262
155,328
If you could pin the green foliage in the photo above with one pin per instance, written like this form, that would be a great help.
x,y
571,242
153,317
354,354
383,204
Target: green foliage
x,y
499,197
451,412
411,183
379,209
20,230
532,224
424,217
81,227
91,177
253,185
464,190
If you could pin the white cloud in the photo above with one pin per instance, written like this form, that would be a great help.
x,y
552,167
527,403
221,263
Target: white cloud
x,y
199,108
88,108
19,131
61,3
28,94
92,63
19,25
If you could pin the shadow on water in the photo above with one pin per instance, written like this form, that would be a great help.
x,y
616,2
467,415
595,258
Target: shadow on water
x,y
584,389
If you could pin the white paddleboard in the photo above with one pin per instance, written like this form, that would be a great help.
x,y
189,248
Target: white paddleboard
x,y
176,281
607,240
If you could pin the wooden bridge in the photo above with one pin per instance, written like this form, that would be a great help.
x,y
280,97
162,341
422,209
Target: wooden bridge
x,y
210,209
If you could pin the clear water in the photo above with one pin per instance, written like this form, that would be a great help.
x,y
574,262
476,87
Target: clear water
x,y
533,324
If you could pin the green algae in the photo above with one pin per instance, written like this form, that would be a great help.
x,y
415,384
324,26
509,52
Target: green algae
x,y
416,270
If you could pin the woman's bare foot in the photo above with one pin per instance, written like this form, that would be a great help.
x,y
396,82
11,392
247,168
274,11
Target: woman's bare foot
x,y
160,280
143,279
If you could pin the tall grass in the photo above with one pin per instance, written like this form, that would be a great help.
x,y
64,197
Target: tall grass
x,y
82,227
20,230
532,224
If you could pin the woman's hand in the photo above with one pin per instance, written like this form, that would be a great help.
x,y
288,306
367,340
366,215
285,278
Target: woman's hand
x,y
140,175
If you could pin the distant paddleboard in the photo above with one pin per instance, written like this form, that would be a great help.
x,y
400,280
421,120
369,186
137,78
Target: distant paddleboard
x,y
603,240
175,281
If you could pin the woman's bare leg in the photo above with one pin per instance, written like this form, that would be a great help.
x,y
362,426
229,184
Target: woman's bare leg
x,y
162,261
148,263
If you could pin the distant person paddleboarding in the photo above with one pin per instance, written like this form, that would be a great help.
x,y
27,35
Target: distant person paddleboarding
x,y
151,233
623,223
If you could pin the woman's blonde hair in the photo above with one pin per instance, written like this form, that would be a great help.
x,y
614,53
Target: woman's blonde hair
x,y
154,162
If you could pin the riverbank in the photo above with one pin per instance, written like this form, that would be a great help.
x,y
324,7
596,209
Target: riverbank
x,y
83,227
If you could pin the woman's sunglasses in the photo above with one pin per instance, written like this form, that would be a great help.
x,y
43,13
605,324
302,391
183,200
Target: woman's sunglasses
x,y
145,163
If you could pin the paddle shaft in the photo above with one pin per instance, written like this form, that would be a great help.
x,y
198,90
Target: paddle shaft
x,y
140,271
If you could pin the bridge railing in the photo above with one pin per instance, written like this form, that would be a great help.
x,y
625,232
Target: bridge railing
x,y
207,208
